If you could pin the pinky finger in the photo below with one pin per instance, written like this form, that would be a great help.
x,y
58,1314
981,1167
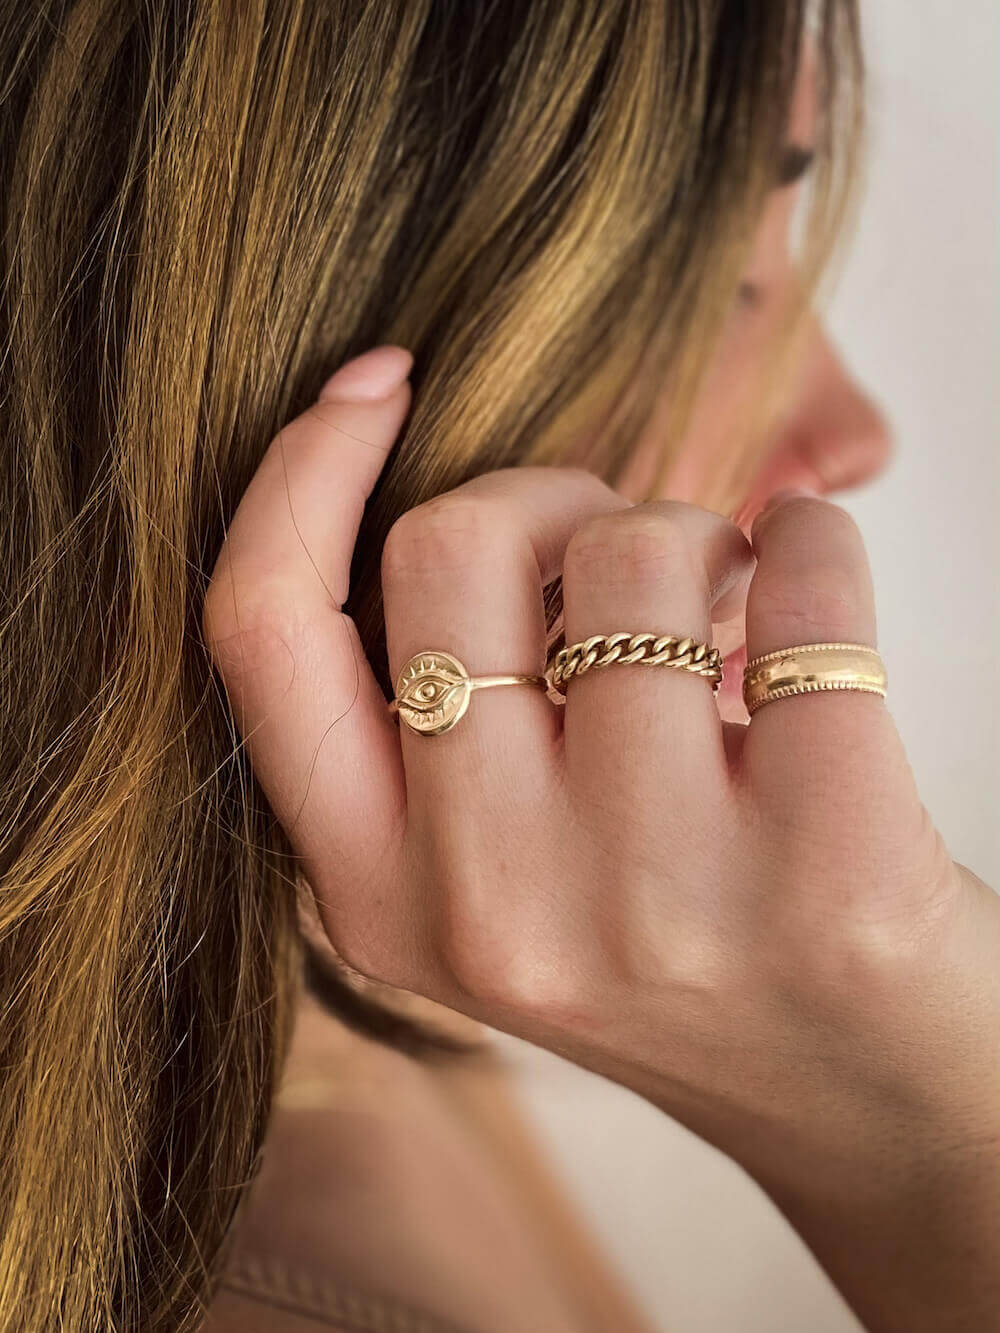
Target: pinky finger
x,y
813,584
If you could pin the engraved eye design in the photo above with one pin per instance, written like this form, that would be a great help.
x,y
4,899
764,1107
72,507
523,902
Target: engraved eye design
x,y
431,691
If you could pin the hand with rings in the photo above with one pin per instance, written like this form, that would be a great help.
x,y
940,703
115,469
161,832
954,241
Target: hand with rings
x,y
755,926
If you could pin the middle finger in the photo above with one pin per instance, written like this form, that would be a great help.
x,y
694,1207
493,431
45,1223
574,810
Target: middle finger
x,y
661,568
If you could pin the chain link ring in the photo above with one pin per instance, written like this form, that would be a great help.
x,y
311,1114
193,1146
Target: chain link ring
x,y
602,650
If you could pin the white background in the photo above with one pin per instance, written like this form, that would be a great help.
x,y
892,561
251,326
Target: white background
x,y
916,313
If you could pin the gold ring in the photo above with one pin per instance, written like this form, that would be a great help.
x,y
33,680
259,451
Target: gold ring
x,y
809,667
434,688
602,650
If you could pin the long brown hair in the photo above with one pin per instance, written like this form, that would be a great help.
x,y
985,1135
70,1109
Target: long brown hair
x,y
207,206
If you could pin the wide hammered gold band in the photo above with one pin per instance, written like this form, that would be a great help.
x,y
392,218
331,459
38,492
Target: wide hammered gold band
x,y
810,667
602,650
434,688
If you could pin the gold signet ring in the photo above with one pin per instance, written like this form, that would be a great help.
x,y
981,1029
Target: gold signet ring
x,y
809,667
434,688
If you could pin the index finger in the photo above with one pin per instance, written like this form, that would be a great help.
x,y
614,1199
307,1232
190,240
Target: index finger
x,y
303,695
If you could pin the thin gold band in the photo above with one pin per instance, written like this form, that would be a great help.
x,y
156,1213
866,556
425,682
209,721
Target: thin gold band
x,y
487,682
811,667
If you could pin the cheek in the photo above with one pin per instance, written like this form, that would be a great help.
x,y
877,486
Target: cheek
x,y
716,434
721,424
640,471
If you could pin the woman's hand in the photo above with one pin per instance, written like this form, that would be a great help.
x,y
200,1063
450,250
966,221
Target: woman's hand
x,y
758,928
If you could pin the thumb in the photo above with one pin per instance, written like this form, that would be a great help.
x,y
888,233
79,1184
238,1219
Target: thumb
x,y
321,740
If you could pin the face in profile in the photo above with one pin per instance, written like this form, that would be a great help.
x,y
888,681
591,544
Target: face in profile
x,y
826,433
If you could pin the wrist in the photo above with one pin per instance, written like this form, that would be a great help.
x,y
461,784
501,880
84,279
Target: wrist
x,y
907,1226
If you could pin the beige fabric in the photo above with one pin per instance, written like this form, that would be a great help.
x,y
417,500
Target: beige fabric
x,y
260,1296
406,1195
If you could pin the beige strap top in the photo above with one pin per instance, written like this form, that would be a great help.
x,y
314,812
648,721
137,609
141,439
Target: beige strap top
x,y
260,1295
404,1196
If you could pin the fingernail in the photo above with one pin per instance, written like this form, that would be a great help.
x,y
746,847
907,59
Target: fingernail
x,y
370,377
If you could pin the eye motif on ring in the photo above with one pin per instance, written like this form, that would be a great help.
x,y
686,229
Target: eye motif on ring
x,y
433,692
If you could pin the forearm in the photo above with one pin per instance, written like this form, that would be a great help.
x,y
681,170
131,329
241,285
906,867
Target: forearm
x,y
912,1241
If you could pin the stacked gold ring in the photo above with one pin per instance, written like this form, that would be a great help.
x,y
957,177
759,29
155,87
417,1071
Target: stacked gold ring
x,y
434,688
810,667
624,647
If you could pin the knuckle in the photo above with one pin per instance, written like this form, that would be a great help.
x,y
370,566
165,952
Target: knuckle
x,y
216,617
507,961
477,946
245,636
870,925
630,548
587,478
855,953
674,945
446,533
694,962
519,982
591,485
225,612
818,598
219,609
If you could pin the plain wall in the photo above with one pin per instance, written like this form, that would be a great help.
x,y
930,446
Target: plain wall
x,y
916,312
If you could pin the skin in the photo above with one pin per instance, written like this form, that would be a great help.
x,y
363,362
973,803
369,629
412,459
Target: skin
x,y
827,433
755,926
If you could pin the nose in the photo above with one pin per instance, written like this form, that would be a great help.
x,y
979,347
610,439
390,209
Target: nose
x,y
835,428
832,436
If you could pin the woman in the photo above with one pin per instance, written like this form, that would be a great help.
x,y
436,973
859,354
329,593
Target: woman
x,y
566,224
